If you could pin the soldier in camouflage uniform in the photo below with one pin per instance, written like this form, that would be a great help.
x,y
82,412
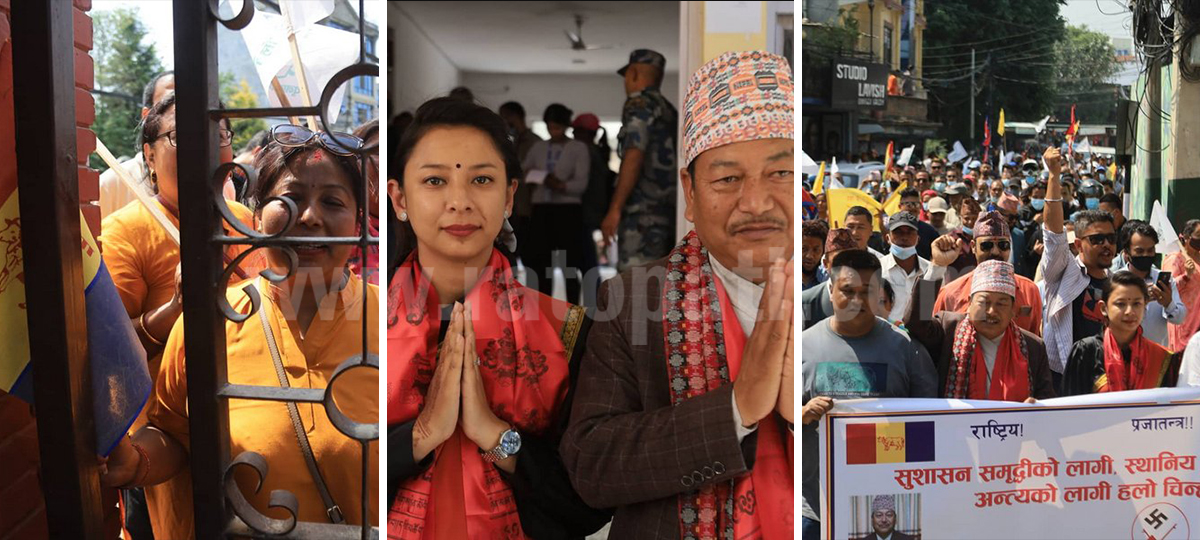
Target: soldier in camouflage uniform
x,y
642,210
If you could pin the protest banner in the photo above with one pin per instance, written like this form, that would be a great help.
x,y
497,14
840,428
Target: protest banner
x,y
1116,465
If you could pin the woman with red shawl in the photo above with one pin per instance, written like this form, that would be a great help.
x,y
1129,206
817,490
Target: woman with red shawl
x,y
1120,358
479,365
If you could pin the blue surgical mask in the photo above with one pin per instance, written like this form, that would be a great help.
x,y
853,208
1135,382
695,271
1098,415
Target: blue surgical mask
x,y
1030,180
925,205
968,231
1092,203
1037,204
939,186
903,253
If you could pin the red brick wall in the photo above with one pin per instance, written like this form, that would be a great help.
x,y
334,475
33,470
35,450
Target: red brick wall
x,y
22,506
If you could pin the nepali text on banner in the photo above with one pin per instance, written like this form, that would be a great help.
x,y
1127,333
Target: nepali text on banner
x,y
1117,465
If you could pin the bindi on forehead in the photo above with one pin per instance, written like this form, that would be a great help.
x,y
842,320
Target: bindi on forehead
x,y
317,156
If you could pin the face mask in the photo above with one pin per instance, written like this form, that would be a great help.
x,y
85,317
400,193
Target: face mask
x,y
903,253
968,231
1030,180
1195,243
1143,264
993,199
1037,204
939,186
1092,203
925,206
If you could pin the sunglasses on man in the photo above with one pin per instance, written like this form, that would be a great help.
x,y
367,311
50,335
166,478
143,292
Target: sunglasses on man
x,y
1101,238
987,245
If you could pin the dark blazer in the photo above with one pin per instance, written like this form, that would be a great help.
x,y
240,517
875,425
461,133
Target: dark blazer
x,y
626,446
936,333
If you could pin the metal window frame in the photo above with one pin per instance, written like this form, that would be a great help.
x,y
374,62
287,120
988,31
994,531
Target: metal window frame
x,y
202,208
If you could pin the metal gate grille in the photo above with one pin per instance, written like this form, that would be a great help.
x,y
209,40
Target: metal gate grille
x,y
220,510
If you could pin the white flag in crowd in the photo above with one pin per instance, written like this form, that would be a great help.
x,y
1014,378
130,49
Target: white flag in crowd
x,y
324,51
1041,126
1168,239
303,13
906,155
958,153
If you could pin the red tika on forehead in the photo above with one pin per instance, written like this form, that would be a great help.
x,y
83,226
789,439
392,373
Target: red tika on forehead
x,y
316,156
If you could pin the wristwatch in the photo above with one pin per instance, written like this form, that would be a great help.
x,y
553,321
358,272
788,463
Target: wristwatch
x,y
510,444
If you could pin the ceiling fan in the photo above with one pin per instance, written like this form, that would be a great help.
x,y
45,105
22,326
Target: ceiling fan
x,y
576,38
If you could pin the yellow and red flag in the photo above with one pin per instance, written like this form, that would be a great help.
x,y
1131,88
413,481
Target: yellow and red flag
x,y
887,163
889,442
841,200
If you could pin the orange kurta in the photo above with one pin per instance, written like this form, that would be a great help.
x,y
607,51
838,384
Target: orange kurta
x,y
141,257
264,426
956,296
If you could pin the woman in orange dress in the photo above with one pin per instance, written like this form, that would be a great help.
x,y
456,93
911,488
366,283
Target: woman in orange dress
x,y
314,318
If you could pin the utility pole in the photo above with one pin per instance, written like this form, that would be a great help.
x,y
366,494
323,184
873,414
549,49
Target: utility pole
x,y
972,97
1152,109
1183,163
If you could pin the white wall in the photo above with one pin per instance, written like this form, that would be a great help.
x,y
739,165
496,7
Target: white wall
x,y
420,69
601,95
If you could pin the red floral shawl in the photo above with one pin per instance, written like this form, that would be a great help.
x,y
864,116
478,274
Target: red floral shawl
x,y
703,344
524,369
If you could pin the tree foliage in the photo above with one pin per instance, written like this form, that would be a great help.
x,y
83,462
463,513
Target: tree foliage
x,y
125,62
1015,55
1085,60
236,94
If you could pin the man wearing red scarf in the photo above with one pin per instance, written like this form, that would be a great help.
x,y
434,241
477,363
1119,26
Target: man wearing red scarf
x,y
1120,358
682,417
982,353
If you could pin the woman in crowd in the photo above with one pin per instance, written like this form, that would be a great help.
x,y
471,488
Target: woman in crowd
x,y
307,325
1182,266
557,221
479,366
1120,358
144,263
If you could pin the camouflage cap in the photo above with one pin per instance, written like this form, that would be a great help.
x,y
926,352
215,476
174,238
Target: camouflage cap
x,y
644,56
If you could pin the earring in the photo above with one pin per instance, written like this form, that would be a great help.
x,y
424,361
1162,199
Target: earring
x,y
507,214
403,216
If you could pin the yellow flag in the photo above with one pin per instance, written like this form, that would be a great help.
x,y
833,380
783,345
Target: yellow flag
x,y
892,205
841,200
1000,126
819,185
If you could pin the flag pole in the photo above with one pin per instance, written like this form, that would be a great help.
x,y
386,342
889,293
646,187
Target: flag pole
x,y
283,100
142,197
300,75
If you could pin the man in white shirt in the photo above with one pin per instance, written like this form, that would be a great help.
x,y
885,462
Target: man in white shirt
x,y
1140,240
902,267
114,194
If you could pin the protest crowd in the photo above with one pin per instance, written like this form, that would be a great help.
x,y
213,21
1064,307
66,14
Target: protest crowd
x,y
1018,282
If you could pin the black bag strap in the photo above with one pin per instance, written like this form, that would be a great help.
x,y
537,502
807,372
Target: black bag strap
x,y
331,508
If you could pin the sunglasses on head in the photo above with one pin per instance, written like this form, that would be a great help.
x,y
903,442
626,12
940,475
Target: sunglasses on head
x,y
1101,238
987,245
342,144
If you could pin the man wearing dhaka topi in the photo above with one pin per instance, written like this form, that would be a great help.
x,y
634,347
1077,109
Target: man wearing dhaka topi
x,y
682,418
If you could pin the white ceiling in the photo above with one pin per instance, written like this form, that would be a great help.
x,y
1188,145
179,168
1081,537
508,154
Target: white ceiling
x,y
527,37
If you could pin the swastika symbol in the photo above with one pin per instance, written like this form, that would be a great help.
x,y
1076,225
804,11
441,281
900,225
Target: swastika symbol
x,y
1156,519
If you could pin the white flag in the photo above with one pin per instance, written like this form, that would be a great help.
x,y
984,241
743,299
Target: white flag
x,y
1168,239
806,161
958,153
303,13
1084,147
1008,158
1041,126
833,169
324,51
906,155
